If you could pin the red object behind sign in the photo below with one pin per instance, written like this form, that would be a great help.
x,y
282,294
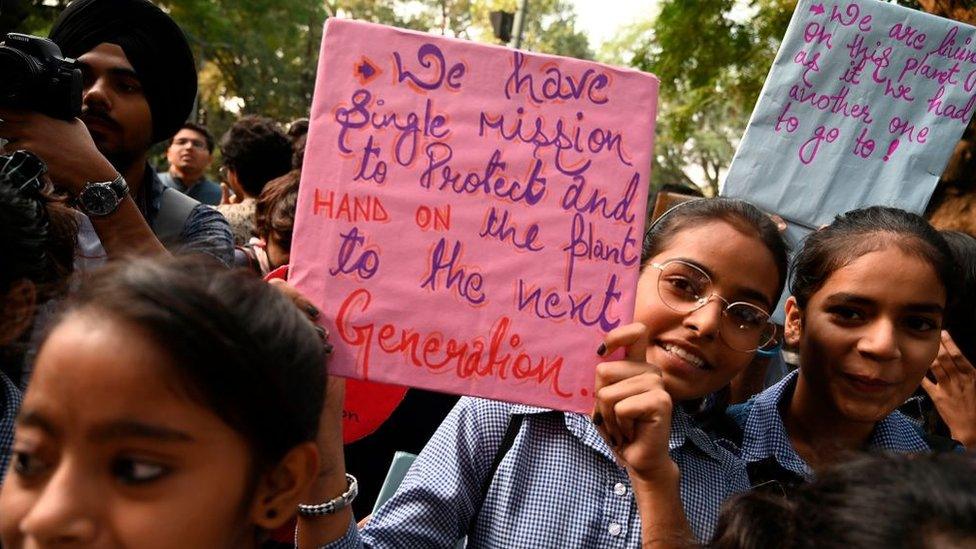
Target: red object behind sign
x,y
368,404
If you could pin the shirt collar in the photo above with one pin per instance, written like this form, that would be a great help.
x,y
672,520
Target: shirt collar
x,y
765,434
897,433
10,398
683,431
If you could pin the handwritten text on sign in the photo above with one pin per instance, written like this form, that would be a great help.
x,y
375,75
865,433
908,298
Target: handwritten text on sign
x,y
470,217
864,104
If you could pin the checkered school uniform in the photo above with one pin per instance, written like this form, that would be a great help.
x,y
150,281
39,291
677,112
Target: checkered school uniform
x,y
558,485
764,435
9,407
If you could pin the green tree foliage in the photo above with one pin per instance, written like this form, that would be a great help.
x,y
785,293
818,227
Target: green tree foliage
x,y
712,57
260,56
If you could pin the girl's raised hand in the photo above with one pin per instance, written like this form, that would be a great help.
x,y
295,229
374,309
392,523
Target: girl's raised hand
x,y
633,410
954,391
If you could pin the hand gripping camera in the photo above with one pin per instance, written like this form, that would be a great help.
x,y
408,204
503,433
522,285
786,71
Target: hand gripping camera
x,y
35,76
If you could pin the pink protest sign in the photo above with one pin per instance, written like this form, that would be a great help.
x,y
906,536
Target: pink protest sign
x,y
470,217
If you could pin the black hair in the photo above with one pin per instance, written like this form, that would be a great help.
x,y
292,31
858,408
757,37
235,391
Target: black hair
x,y
238,346
863,231
895,501
200,129
742,215
39,230
298,128
298,156
39,243
257,150
274,213
961,323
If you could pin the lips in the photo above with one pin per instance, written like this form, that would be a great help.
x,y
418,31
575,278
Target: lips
x,y
867,384
685,356
99,122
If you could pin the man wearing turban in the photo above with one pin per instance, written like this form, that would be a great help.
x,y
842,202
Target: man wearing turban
x,y
140,84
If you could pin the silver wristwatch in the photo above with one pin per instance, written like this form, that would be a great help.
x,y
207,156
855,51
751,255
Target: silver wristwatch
x,y
98,199
330,507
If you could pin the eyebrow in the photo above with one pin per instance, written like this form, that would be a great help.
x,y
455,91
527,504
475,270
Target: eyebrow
x,y
114,71
742,292
113,430
33,419
854,299
135,429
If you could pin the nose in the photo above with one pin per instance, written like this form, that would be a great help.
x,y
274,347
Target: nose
x,y
64,511
879,341
98,95
706,320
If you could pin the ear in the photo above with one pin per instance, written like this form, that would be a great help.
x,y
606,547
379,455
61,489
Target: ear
x,y
17,310
793,326
282,488
235,184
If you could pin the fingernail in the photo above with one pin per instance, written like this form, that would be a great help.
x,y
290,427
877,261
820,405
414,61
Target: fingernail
x,y
602,349
598,419
312,311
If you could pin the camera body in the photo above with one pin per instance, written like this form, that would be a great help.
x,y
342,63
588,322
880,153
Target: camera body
x,y
38,78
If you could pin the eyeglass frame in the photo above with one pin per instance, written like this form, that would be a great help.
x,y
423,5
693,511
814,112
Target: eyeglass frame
x,y
701,302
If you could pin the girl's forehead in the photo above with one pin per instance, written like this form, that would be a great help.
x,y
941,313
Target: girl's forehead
x,y
732,258
887,275
96,362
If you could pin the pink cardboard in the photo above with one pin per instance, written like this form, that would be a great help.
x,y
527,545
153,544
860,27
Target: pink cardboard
x,y
470,217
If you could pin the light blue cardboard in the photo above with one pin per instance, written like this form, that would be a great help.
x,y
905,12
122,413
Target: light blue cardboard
x,y
863,106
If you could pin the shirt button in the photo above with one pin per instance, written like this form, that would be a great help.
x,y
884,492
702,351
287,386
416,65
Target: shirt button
x,y
619,489
614,529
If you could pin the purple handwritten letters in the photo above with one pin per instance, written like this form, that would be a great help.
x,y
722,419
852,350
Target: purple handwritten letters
x,y
470,217
864,104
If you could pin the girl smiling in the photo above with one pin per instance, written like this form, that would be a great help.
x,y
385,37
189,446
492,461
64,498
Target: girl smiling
x,y
869,295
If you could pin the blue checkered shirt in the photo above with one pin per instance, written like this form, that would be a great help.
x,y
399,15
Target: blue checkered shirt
x,y
9,408
764,435
558,485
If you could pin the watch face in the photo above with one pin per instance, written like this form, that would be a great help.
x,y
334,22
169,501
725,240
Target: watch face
x,y
98,200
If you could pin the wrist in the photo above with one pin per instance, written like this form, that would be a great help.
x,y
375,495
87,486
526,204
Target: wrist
x,y
96,172
666,473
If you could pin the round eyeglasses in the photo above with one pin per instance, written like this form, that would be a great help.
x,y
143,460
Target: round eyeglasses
x,y
685,288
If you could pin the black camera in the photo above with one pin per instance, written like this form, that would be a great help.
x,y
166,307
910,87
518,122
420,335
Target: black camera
x,y
35,76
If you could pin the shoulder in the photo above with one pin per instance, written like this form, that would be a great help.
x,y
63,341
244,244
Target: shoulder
x,y
166,179
209,192
207,231
898,433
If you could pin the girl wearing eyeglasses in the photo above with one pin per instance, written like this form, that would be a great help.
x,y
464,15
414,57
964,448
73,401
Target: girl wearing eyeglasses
x,y
517,476
869,296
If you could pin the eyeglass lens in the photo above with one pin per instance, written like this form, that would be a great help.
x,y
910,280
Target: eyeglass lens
x,y
685,288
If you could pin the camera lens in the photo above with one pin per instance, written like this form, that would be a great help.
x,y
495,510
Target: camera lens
x,y
19,70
